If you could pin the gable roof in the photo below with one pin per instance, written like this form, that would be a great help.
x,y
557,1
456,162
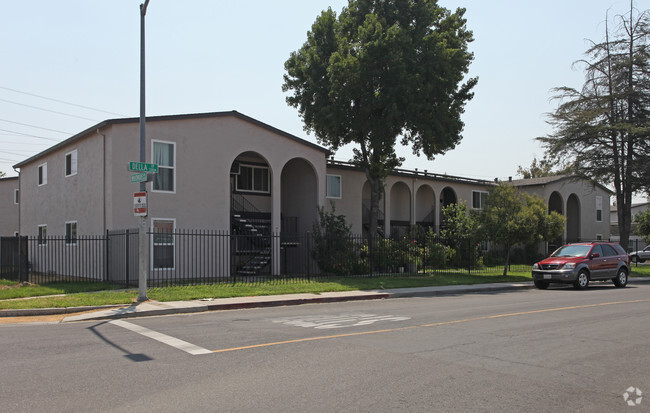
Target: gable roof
x,y
110,122
555,178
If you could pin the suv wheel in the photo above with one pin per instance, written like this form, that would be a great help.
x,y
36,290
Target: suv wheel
x,y
582,281
620,280
542,285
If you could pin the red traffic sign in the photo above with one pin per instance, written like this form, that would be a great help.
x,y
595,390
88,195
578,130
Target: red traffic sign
x,y
140,204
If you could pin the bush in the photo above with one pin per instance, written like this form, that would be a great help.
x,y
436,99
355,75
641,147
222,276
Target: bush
x,y
334,250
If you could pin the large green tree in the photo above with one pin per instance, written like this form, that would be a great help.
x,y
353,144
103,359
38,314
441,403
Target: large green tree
x,y
380,71
511,217
642,220
603,130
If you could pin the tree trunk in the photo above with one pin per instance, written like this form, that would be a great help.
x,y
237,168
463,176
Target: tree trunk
x,y
505,267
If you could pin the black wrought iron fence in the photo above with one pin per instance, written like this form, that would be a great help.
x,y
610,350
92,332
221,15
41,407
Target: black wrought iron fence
x,y
207,256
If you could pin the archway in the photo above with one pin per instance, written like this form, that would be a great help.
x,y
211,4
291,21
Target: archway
x,y
425,207
447,197
400,209
299,203
573,218
555,204
251,201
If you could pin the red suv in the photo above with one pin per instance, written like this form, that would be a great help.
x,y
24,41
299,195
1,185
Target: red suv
x,y
580,263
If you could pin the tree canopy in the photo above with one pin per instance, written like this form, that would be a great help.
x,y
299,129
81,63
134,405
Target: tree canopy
x,y
602,131
642,220
380,71
510,217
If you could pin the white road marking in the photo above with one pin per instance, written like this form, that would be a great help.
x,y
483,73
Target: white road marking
x,y
163,338
322,322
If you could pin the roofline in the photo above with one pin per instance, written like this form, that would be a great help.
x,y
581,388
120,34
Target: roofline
x,y
7,178
413,174
119,121
521,182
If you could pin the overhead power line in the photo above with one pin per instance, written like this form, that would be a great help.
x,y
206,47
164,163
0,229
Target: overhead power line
x,y
32,136
61,101
37,127
48,110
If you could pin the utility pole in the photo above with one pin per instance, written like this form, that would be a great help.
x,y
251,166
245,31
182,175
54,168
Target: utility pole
x,y
142,247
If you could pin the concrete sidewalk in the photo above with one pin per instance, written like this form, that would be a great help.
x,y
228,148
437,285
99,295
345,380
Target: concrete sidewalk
x,y
155,308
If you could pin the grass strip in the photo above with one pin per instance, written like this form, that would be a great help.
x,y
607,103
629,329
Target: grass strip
x,y
87,294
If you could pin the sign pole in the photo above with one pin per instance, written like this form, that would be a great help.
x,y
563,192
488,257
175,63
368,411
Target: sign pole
x,y
142,247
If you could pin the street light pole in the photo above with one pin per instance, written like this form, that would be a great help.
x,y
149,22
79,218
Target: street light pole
x,y
142,245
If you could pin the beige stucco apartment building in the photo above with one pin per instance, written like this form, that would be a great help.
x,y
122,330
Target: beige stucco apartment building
x,y
226,171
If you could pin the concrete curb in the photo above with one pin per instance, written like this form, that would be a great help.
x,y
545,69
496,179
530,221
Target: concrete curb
x,y
54,311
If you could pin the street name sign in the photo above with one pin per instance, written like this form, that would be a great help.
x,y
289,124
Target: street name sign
x,y
143,167
140,204
139,177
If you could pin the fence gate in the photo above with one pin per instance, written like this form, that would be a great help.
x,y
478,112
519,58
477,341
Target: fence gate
x,y
122,257
14,264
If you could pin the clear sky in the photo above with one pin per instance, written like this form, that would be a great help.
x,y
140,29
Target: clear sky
x,y
221,55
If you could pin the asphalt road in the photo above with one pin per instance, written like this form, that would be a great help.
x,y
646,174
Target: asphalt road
x,y
530,350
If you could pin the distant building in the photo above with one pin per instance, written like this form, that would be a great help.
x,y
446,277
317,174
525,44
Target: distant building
x,y
9,206
636,242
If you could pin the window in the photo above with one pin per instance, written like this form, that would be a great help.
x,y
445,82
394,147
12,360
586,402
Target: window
x,y
71,233
164,155
599,237
599,209
42,174
253,179
16,196
163,243
42,235
333,186
71,163
478,199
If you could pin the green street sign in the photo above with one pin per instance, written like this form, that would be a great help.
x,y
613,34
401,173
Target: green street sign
x,y
143,167
139,177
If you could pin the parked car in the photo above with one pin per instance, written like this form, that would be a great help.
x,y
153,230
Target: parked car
x,y
640,256
580,263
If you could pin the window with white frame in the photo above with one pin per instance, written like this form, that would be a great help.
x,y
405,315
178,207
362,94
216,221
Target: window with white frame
x,y
164,155
599,209
42,174
71,163
16,196
253,178
71,233
334,186
163,243
42,235
479,199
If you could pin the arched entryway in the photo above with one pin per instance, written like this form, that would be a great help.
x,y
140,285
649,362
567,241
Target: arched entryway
x,y
251,200
425,207
447,197
400,209
573,218
298,211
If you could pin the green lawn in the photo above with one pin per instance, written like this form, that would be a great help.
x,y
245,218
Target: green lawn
x,y
91,294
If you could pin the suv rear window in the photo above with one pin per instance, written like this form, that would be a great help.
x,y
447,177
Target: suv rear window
x,y
609,251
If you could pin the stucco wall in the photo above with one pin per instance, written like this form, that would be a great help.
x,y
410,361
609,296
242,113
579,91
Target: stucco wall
x,y
586,193
8,208
415,207
77,198
205,150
